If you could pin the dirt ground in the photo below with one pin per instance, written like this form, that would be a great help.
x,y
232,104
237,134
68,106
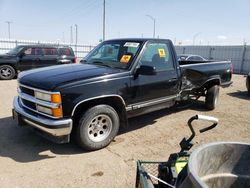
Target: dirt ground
x,y
27,160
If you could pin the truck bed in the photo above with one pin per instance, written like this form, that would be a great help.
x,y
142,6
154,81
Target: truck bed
x,y
196,74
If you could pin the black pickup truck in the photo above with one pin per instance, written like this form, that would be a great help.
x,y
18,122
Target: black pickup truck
x,y
116,80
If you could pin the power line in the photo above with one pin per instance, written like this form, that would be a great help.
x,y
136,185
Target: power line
x,y
83,10
80,10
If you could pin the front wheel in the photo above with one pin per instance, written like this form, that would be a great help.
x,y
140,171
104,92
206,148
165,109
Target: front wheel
x,y
7,72
97,127
212,96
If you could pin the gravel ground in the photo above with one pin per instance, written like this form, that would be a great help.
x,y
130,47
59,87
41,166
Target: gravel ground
x,y
27,160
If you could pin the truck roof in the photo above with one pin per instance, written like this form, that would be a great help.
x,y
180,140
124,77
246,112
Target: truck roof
x,y
43,46
138,39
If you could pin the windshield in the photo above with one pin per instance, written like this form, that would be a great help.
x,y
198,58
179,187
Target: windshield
x,y
115,54
15,50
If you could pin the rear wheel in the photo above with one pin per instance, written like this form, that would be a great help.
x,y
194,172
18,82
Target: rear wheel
x,y
7,72
248,84
212,96
97,127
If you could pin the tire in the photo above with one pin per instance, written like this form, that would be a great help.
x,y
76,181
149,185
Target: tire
x,y
212,96
97,127
7,72
248,84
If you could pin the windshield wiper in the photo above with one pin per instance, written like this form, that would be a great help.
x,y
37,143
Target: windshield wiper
x,y
101,63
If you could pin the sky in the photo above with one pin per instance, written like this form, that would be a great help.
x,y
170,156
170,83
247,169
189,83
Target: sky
x,y
211,22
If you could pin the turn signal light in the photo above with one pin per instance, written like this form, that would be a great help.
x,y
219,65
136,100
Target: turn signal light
x,y
57,112
56,98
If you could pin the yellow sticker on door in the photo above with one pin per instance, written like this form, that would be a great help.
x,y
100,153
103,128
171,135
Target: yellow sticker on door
x,y
161,52
125,58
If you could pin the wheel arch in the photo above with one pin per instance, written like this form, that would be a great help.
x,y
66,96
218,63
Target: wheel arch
x,y
10,64
211,82
115,101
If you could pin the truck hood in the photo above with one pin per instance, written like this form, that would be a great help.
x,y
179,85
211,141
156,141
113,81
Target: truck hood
x,y
51,77
6,56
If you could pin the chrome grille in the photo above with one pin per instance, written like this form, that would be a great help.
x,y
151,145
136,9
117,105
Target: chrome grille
x,y
27,90
29,104
29,101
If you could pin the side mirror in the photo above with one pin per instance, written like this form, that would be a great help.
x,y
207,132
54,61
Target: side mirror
x,y
83,61
22,54
146,70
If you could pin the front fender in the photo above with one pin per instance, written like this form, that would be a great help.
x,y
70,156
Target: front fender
x,y
102,97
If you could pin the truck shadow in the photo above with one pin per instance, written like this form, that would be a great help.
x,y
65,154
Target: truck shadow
x,y
240,94
22,144
149,119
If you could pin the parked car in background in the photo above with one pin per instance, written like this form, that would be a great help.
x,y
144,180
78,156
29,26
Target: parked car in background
x,y
190,57
25,57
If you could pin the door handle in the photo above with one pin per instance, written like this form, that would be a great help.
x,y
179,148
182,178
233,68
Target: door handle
x,y
172,80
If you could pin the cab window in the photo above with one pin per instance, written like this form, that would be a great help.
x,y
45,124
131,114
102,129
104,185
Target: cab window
x,y
65,51
37,51
157,55
50,51
28,51
33,51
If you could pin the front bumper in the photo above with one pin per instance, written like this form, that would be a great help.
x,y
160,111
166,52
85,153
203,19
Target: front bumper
x,y
50,128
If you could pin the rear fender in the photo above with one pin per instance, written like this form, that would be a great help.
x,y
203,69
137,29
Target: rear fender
x,y
211,82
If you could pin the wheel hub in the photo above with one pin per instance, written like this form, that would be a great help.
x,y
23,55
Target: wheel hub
x,y
99,128
5,72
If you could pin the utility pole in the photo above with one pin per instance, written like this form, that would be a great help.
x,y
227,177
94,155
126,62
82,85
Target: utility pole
x,y
76,40
154,20
63,37
8,22
103,22
71,35
194,37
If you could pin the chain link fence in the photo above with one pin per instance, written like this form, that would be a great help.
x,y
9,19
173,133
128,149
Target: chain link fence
x,y
80,50
239,55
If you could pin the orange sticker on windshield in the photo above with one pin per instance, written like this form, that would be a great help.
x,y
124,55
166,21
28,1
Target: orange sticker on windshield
x,y
125,58
161,52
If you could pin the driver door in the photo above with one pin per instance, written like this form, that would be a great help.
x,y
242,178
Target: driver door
x,y
26,60
164,84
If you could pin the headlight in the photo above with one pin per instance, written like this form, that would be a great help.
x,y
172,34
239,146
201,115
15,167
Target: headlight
x,y
54,97
43,96
44,109
56,112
